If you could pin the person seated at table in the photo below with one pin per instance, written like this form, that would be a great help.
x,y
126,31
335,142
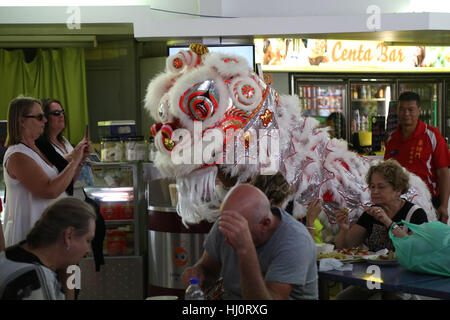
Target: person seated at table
x,y
277,189
387,182
59,239
260,253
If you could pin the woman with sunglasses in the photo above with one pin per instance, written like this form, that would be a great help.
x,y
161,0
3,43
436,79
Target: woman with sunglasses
x,y
32,182
55,146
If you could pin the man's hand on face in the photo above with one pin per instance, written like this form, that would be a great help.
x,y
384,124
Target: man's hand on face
x,y
236,230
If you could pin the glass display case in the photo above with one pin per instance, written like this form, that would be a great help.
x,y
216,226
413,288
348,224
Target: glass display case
x,y
119,192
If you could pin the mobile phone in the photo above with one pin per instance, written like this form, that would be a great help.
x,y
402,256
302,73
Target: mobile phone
x,y
87,132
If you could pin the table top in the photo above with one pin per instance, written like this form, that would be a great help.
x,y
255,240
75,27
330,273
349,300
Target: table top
x,y
391,278
439,288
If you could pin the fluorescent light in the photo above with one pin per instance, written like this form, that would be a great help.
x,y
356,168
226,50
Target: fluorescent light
x,y
74,3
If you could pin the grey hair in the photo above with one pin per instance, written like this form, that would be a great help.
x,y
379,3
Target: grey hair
x,y
60,215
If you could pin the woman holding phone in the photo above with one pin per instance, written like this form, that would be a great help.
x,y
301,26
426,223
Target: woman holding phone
x,y
56,147
32,181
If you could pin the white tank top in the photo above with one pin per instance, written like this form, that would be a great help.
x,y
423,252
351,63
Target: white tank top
x,y
22,208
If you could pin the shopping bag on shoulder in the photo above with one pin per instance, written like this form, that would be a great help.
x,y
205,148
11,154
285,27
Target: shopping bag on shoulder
x,y
427,250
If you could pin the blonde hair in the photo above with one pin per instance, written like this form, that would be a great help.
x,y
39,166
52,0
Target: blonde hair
x,y
392,172
275,187
61,214
18,108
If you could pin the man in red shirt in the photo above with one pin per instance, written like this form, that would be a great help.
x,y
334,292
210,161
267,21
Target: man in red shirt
x,y
422,150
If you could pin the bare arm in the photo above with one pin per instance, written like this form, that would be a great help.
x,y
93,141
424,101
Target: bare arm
x,y
444,191
314,209
207,270
348,237
379,214
34,179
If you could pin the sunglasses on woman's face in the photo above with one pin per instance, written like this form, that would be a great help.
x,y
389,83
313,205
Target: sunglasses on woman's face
x,y
38,117
56,113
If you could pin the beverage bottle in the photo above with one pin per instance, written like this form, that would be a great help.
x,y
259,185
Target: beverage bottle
x,y
193,291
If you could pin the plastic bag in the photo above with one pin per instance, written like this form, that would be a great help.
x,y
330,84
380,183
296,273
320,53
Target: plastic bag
x,y
427,250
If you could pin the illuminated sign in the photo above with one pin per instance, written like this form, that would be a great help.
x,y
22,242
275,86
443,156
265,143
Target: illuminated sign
x,y
282,54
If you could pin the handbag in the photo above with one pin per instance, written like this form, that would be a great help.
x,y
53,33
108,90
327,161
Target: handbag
x,y
427,250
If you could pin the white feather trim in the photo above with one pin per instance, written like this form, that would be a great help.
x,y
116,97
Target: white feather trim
x,y
227,65
156,89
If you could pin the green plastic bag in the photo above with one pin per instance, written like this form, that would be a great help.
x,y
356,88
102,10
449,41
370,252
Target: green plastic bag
x,y
427,250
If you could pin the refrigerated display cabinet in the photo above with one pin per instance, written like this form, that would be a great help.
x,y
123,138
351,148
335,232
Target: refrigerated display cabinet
x,y
119,191
369,108
320,99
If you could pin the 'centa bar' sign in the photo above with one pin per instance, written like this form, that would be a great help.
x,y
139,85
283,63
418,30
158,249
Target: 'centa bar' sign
x,y
278,54
366,53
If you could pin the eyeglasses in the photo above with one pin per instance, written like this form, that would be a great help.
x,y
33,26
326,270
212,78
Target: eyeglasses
x,y
38,117
56,113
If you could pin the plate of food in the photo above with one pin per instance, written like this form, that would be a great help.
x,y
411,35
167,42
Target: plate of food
x,y
382,259
344,255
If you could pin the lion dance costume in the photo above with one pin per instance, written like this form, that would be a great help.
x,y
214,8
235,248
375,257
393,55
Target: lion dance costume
x,y
214,112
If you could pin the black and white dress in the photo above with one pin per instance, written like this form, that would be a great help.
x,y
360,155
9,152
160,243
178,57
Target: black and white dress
x,y
378,234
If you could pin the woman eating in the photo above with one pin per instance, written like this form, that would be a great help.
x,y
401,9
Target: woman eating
x,y
387,182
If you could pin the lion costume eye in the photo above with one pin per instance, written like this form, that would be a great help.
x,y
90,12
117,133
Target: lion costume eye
x,y
200,96
201,101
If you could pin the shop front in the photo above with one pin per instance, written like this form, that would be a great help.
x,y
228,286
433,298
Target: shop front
x,y
355,84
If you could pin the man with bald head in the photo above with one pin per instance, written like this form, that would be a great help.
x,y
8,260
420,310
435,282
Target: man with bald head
x,y
261,253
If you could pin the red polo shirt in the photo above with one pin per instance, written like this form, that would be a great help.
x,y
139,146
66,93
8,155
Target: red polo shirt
x,y
424,151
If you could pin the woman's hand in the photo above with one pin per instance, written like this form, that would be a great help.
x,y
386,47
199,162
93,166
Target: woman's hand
x,y
342,220
86,145
379,214
314,209
78,152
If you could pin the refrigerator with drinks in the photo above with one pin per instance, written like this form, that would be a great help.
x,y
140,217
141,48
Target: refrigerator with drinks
x,y
322,99
369,106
